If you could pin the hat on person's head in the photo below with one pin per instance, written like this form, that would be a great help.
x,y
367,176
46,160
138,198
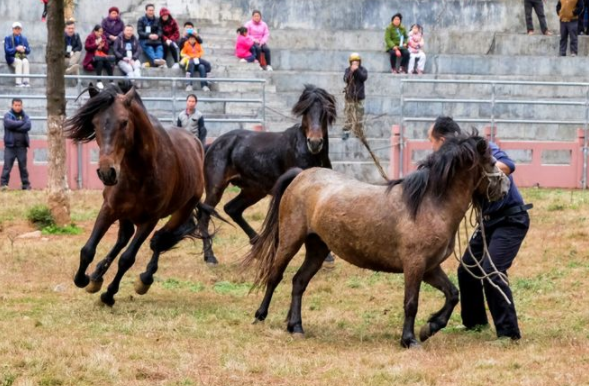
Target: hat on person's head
x,y
16,24
114,9
164,11
398,14
354,56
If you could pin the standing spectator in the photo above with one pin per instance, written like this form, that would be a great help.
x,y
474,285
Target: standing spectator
x,y
538,6
506,223
192,62
245,49
354,77
127,51
192,119
16,49
16,141
395,38
73,49
416,43
188,30
582,29
260,33
568,11
170,35
150,37
113,26
97,57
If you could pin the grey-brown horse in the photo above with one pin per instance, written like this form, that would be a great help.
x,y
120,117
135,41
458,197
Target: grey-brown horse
x,y
406,227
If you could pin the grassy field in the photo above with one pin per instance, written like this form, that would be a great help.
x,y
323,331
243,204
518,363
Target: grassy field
x,y
194,326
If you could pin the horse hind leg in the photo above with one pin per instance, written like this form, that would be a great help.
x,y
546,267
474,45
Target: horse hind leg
x,y
216,184
126,230
437,278
317,250
239,204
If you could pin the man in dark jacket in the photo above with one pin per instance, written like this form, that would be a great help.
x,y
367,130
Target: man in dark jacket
x,y
127,51
73,49
150,37
568,12
16,50
354,77
16,141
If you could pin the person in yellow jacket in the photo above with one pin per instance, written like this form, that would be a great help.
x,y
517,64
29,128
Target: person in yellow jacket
x,y
192,62
568,12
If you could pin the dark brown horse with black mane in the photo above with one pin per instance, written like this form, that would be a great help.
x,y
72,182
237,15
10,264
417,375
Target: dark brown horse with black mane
x,y
149,173
407,226
254,161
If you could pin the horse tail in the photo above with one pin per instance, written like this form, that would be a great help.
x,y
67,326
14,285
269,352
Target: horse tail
x,y
264,247
197,232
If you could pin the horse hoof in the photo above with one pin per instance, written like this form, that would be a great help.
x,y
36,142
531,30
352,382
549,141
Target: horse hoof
x,y
410,343
212,264
82,282
94,286
140,287
107,299
298,335
425,332
328,264
258,321
211,261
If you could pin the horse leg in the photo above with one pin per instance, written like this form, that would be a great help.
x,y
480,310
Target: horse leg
x,y
104,221
437,278
126,230
235,208
126,261
413,278
316,252
215,189
180,224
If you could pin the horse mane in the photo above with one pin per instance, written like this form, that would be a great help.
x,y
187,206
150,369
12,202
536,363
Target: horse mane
x,y
79,127
313,94
435,174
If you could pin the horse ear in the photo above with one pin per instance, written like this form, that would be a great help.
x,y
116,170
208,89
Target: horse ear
x,y
129,97
93,91
482,146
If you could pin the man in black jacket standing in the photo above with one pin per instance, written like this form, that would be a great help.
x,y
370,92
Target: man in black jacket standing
x,y
73,49
16,141
354,77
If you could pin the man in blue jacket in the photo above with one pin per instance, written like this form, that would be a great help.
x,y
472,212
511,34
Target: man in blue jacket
x,y
16,49
16,141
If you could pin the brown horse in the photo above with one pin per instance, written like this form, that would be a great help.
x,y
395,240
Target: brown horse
x,y
406,227
149,173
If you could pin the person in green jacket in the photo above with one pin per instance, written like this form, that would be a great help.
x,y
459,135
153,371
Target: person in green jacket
x,y
396,39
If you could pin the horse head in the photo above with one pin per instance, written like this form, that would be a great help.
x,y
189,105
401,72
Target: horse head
x,y
108,117
318,110
493,184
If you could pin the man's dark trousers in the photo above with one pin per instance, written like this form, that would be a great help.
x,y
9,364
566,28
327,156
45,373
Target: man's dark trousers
x,y
15,153
538,6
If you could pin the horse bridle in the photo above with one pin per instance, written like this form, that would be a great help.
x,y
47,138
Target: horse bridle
x,y
490,176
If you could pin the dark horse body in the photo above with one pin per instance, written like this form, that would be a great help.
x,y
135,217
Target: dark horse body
x,y
407,226
254,161
149,173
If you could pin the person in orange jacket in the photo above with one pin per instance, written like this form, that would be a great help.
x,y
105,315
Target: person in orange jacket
x,y
192,61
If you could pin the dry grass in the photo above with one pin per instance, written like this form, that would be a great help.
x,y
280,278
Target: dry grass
x,y
194,327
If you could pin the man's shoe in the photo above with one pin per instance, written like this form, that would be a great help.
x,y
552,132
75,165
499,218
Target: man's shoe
x,y
175,66
3,188
206,89
26,187
345,135
548,33
188,88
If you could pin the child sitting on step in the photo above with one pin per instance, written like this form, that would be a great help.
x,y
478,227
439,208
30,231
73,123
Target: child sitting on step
x,y
192,62
245,48
416,44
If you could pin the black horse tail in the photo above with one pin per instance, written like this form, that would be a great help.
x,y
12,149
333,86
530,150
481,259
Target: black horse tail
x,y
197,232
263,252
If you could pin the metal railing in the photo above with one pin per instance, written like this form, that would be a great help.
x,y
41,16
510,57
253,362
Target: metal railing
x,y
493,102
176,87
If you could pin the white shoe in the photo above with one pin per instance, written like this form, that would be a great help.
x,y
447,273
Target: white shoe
x,y
175,66
19,85
188,88
242,60
269,68
160,62
26,84
206,88
99,86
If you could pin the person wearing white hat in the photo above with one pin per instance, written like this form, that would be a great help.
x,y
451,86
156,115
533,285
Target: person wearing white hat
x,y
354,77
16,49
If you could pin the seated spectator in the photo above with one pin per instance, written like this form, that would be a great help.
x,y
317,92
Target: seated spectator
x,y
260,33
170,35
150,37
113,26
97,57
188,30
127,51
192,119
192,53
73,49
245,49
395,38
16,49
416,44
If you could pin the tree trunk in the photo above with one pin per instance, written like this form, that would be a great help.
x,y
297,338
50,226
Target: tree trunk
x,y
58,198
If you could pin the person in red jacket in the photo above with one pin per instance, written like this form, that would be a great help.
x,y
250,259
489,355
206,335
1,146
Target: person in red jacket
x,y
97,58
170,34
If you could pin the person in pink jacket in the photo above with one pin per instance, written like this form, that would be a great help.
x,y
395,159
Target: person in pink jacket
x,y
260,33
245,49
